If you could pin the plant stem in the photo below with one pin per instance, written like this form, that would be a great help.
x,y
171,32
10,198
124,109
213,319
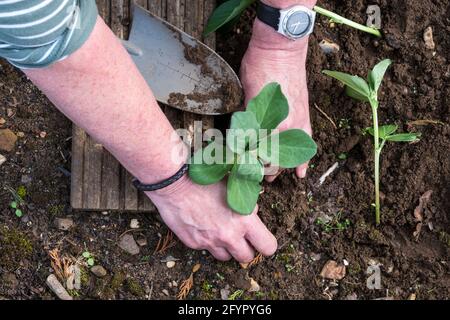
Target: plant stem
x,y
341,20
377,147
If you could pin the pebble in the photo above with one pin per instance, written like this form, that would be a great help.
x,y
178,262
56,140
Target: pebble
x,y
2,159
170,264
57,288
134,224
128,244
329,47
26,179
99,271
166,292
63,224
224,294
2,121
141,241
428,38
254,286
333,271
43,134
8,140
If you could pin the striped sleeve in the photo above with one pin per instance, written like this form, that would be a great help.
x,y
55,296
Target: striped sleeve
x,y
37,33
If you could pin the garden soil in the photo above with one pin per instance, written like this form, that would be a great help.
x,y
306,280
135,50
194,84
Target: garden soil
x,y
411,264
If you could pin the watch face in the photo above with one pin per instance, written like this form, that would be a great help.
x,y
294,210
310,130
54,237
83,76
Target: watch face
x,y
298,23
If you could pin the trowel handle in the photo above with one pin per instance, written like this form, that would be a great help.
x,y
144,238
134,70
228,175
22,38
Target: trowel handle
x,y
131,48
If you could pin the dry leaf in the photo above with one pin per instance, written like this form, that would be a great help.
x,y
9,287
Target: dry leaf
x,y
333,271
196,268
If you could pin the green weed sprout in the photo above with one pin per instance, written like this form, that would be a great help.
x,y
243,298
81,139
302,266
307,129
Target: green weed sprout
x,y
367,91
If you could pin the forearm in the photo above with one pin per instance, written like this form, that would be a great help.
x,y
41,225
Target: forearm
x,y
99,88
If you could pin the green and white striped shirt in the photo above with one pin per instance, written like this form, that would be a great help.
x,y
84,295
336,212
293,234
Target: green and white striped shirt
x,y
37,33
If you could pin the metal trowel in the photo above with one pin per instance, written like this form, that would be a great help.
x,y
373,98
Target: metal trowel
x,y
181,71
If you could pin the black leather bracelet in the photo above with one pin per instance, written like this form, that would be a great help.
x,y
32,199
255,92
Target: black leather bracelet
x,y
160,185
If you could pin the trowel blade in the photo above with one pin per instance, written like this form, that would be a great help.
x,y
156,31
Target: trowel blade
x,y
181,71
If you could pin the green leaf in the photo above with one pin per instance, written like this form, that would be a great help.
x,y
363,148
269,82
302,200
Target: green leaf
x,y
249,167
205,168
90,262
377,74
19,213
358,86
287,149
355,95
270,106
243,130
242,194
384,131
13,205
404,137
225,13
86,254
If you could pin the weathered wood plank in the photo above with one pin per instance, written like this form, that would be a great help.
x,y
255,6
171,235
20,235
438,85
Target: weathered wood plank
x,y
99,182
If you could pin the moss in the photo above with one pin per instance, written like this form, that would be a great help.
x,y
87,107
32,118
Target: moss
x,y
135,288
21,192
56,210
109,289
273,295
444,237
207,291
84,276
14,247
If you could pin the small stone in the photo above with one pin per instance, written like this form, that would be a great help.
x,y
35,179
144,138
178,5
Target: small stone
x,y
170,264
57,288
165,292
224,294
20,134
99,271
315,256
412,296
254,286
63,224
9,112
128,244
134,224
169,258
329,47
428,38
141,241
346,263
42,134
8,140
2,159
2,121
333,271
352,296
26,179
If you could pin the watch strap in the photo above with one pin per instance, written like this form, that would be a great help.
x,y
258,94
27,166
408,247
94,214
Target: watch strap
x,y
269,15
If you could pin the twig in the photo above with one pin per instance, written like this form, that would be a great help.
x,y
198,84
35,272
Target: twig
x,y
165,243
327,173
325,115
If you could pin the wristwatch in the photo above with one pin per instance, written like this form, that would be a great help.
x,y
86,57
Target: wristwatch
x,y
294,23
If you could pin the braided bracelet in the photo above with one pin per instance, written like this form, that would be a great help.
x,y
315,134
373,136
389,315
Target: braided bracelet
x,y
160,185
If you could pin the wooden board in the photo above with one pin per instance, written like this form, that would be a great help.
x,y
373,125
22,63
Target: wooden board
x,y
99,182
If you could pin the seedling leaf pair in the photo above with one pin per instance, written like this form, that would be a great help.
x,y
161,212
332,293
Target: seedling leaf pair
x,y
361,90
252,142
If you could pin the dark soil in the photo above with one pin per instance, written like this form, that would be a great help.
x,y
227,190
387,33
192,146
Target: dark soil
x,y
416,88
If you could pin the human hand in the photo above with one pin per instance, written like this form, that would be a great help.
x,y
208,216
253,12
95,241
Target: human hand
x,y
202,220
274,58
